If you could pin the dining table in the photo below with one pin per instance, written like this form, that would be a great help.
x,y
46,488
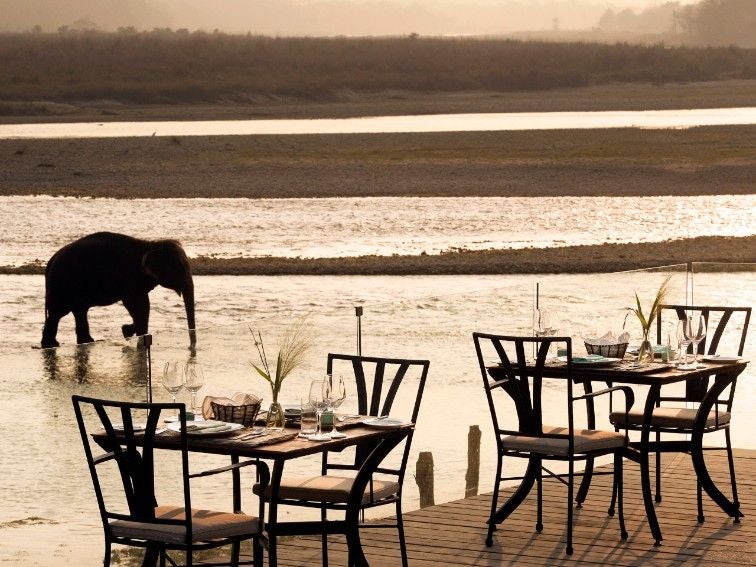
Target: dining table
x,y
280,447
654,376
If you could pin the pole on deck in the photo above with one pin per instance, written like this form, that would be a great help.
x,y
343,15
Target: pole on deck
x,y
472,476
424,478
146,342
358,314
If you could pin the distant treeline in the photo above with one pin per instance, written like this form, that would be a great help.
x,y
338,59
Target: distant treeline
x,y
164,66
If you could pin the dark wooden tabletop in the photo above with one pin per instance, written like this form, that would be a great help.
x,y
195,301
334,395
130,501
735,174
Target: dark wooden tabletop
x,y
290,447
625,372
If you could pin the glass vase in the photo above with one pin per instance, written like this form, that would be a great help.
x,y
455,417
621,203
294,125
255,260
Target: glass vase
x,y
645,351
275,420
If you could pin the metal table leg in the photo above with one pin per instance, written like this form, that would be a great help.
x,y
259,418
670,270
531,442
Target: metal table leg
x,y
721,382
642,456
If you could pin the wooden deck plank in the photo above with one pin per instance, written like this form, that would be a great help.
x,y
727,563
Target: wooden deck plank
x,y
453,533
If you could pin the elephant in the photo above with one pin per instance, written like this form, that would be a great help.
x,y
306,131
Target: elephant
x,y
105,267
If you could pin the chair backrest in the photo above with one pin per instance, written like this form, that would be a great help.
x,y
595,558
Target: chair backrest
x,y
719,320
723,318
128,443
521,381
377,381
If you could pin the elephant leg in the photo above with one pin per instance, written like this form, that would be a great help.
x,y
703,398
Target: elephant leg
x,y
50,330
82,326
139,309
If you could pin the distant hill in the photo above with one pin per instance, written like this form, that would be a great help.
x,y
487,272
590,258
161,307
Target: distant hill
x,y
702,22
305,17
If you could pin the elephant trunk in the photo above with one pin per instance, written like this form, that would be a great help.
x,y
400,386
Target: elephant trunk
x,y
189,306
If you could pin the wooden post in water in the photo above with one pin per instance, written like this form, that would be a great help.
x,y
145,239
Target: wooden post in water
x,y
472,476
424,478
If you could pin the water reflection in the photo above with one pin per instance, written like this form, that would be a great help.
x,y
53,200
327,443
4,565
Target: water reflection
x,y
88,364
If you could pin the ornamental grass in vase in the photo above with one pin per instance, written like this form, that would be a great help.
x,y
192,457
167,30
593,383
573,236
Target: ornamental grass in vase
x,y
292,351
646,349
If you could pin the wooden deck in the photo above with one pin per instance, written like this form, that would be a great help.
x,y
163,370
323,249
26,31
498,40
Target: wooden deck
x,y
454,533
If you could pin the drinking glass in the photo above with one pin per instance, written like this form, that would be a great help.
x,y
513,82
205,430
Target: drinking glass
x,y
336,396
194,379
320,402
683,340
173,378
545,324
697,333
308,418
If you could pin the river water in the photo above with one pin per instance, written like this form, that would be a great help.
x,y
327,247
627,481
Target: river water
x,y
34,228
684,118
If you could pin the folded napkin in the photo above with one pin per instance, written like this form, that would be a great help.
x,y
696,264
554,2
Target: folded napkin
x,y
609,338
207,426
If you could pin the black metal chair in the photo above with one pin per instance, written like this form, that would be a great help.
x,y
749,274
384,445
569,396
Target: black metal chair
x,y
125,451
375,397
677,419
517,381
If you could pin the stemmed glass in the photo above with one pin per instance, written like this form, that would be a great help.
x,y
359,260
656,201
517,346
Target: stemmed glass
x,y
320,402
194,379
697,334
173,378
545,324
684,340
335,391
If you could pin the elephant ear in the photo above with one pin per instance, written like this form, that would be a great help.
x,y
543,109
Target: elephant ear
x,y
167,263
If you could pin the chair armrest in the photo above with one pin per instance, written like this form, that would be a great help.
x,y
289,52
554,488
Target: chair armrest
x,y
262,470
626,390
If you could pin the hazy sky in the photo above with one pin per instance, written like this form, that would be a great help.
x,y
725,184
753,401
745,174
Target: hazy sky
x,y
317,17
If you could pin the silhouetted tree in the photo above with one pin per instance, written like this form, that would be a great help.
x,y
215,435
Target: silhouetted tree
x,y
726,22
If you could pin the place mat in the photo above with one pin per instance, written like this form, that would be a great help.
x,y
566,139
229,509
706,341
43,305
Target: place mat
x,y
236,439
625,365
350,421
267,439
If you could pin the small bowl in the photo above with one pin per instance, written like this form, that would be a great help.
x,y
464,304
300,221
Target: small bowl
x,y
616,350
244,414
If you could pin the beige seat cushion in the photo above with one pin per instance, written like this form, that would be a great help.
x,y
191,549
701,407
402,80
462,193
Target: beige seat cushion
x,y
669,417
207,525
586,440
331,489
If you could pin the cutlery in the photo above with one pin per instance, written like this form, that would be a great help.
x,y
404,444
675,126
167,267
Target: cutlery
x,y
255,433
208,428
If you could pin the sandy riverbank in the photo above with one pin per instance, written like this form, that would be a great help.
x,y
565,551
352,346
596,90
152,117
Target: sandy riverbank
x,y
611,162
618,96
563,260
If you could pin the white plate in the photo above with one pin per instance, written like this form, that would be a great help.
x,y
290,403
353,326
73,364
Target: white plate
x,y
175,418
385,423
604,361
720,358
208,430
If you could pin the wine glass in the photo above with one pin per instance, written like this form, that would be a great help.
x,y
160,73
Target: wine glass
x,y
173,378
317,399
697,334
545,324
194,379
336,390
683,340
